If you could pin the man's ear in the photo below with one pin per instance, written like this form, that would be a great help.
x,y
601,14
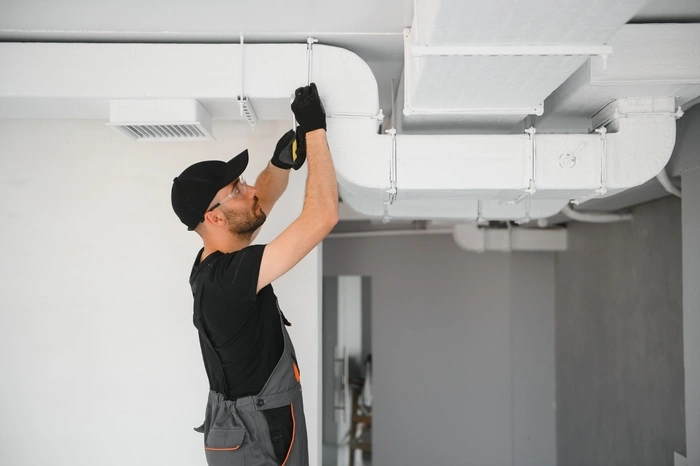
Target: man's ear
x,y
215,218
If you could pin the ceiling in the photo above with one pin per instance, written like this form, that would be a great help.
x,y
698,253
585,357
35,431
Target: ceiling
x,y
371,29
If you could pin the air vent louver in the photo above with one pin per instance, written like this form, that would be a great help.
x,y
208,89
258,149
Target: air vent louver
x,y
161,120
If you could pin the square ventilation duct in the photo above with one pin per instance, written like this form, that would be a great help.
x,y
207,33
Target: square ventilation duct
x,y
161,120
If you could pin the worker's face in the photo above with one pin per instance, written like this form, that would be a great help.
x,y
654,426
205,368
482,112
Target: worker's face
x,y
244,214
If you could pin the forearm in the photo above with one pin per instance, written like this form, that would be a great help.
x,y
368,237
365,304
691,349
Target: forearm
x,y
321,200
271,183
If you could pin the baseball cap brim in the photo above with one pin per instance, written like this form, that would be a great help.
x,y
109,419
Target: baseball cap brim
x,y
235,168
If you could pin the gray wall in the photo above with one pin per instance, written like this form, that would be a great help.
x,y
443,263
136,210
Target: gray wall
x,y
533,360
691,309
686,163
447,391
619,346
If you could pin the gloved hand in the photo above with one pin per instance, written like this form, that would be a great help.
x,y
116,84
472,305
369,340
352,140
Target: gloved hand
x,y
290,151
308,109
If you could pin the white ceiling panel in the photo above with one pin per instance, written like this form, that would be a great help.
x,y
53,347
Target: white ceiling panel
x,y
505,22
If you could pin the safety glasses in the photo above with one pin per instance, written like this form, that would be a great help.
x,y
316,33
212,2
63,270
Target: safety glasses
x,y
239,191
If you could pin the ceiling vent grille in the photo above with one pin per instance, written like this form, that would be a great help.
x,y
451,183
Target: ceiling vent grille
x,y
161,120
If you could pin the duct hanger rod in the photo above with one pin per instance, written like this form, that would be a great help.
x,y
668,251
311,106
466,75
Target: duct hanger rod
x,y
309,57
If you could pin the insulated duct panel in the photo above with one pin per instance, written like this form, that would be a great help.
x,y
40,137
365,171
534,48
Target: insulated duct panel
x,y
457,124
468,82
458,62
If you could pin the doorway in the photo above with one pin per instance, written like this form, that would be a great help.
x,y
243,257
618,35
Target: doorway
x,y
346,371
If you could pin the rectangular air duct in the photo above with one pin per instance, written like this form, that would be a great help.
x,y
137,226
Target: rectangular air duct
x,y
161,120
472,176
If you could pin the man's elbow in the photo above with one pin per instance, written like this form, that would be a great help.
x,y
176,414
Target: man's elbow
x,y
330,220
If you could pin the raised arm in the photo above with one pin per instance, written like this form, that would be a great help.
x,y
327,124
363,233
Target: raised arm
x,y
271,183
290,152
320,211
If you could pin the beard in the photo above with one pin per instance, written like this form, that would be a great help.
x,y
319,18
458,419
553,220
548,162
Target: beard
x,y
244,224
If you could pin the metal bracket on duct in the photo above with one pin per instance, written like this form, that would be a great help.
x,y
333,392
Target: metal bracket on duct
x,y
440,177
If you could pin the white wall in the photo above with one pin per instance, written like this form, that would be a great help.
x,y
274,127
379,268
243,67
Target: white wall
x,y
463,351
99,358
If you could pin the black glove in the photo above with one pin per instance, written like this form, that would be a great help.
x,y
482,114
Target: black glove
x,y
290,151
299,151
308,109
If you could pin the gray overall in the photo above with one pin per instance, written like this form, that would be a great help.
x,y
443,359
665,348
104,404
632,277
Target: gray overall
x,y
236,432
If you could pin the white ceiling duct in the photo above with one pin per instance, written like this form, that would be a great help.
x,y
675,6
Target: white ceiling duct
x,y
456,177
476,176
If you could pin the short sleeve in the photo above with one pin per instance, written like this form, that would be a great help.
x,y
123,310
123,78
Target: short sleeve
x,y
238,272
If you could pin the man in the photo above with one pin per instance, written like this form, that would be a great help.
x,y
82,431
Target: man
x,y
254,414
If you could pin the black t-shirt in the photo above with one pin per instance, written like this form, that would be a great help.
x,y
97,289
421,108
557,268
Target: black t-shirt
x,y
244,328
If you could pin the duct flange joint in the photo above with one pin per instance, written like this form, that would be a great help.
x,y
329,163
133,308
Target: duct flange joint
x,y
527,218
603,169
616,115
530,190
392,191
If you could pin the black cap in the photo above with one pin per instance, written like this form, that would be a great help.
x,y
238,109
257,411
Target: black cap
x,y
196,187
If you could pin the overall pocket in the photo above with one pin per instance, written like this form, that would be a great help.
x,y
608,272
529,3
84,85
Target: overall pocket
x,y
224,447
281,425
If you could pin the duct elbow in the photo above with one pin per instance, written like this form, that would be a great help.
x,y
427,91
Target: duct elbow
x,y
643,141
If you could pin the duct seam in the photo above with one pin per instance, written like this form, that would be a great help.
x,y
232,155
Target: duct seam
x,y
617,115
392,191
603,170
527,218
531,187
